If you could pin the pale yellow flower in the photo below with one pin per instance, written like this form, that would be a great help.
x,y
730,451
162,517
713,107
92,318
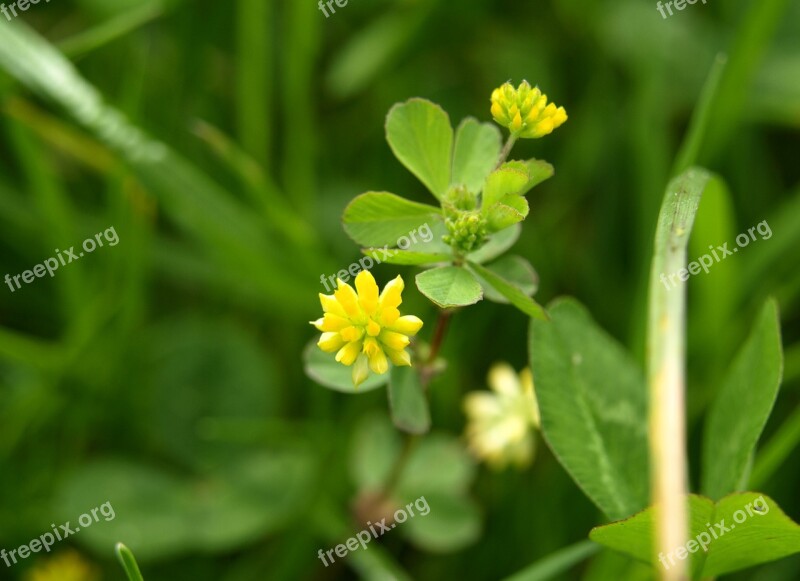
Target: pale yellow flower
x,y
364,328
501,423
65,566
525,111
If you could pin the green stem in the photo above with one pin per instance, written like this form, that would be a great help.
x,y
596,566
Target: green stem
x,y
512,139
666,365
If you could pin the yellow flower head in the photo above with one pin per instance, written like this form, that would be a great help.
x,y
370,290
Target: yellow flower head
x,y
499,424
525,111
365,328
66,566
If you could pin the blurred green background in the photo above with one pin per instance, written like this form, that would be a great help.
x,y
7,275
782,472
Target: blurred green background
x,y
164,374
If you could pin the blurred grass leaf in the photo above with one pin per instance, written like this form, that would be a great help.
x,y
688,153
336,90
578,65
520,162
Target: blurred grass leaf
x,y
128,562
742,407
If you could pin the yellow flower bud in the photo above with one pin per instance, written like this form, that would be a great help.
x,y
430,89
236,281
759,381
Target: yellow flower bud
x,y
525,111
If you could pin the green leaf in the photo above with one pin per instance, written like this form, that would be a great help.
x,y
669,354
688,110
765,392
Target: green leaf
x,y
374,450
453,523
748,529
449,286
502,182
516,271
421,137
381,218
537,170
509,290
406,257
325,370
592,400
128,562
498,243
163,515
742,407
475,153
507,212
438,464
407,401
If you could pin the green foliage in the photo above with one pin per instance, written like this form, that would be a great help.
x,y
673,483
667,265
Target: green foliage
x,y
323,369
742,407
592,402
475,153
162,514
482,205
380,218
739,531
407,402
128,562
421,137
163,374
449,286
437,468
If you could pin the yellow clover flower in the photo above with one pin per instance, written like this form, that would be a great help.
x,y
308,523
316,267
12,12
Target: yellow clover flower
x,y
525,111
499,429
364,328
66,566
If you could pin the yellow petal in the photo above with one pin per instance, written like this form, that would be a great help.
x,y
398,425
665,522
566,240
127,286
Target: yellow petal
x,y
400,358
389,317
393,340
347,298
407,325
347,354
371,347
360,371
498,114
516,124
559,117
367,291
378,362
544,127
318,324
373,328
331,322
526,381
331,305
330,342
481,404
351,333
391,296
503,379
